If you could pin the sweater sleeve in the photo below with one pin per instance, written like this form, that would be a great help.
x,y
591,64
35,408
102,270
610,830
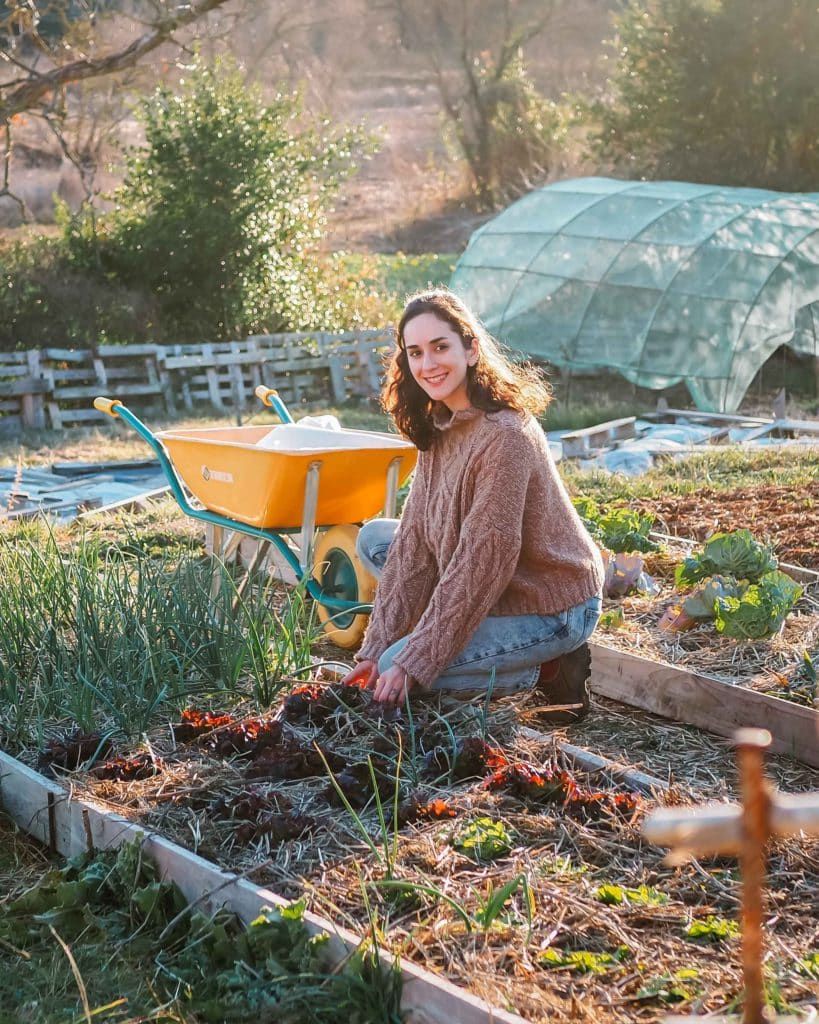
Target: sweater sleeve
x,y
482,564
407,580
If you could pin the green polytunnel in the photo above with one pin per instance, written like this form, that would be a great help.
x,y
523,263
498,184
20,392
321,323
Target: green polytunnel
x,y
661,281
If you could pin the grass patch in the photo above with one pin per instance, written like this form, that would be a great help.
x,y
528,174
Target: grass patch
x,y
721,470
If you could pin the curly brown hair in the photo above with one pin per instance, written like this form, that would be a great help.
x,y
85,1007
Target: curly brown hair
x,y
493,383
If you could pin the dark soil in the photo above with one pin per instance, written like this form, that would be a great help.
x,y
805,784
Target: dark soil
x,y
787,519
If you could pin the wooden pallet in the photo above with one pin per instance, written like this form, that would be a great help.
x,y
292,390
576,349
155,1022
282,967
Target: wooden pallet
x,y
56,387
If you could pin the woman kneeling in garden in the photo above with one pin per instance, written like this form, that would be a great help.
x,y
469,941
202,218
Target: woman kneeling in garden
x,y
490,574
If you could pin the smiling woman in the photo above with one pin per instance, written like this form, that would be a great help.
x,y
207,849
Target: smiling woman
x,y
439,359
490,580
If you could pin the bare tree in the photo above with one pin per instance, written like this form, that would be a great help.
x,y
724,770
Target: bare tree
x,y
46,48
474,48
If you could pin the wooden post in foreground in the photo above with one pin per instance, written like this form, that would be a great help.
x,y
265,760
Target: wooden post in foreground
x,y
743,831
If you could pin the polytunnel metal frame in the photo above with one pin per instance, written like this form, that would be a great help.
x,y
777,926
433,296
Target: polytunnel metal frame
x,y
772,218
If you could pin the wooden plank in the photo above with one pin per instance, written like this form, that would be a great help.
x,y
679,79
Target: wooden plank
x,y
589,762
57,373
581,442
68,355
125,351
707,703
10,426
337,381
54,415
789,426
100,372
14,371
23,386
92,390
128,373
68,825
33,405
369,369
82,415
238,394
696,416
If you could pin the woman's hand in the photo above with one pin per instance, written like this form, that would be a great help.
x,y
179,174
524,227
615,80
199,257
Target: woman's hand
x,y
364,672
393,686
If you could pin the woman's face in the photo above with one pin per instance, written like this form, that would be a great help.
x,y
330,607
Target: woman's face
x,y
438,359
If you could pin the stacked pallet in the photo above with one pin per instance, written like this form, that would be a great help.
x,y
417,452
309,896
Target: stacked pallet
x,y
56,387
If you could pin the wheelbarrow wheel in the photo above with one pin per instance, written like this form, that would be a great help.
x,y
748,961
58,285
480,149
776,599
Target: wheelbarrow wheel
x,y
339,572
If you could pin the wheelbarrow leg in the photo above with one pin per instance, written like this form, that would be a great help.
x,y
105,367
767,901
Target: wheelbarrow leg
x,y
392,489
256,561
308,518
224,549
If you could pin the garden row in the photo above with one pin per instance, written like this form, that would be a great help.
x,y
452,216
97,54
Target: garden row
x,y
461,841
718,635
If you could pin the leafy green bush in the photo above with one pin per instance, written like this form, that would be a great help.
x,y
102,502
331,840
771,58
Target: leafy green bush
x,y
483,839
46,301
584,961
618,529
739,587
712,929
220,215
714,91
646,895
213,966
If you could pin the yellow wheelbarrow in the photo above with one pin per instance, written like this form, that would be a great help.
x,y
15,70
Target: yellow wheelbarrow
x,y
302,492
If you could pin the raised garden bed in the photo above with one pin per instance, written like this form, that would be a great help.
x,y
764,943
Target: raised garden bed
x,y
502,876
590,916
703,678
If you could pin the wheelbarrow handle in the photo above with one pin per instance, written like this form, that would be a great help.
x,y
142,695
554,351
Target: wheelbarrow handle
x,y
108,405
270,397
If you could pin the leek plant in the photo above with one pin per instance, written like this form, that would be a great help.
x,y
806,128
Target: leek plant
x,y
100,634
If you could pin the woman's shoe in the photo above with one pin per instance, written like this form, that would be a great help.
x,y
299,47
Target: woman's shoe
x,y
565,684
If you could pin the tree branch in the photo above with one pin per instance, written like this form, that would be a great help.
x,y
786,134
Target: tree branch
x,y
30,93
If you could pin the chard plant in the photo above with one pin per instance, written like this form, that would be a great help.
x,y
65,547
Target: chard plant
x,y
712,929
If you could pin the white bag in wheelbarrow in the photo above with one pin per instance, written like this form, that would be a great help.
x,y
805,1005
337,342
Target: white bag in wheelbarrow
x,y
311,434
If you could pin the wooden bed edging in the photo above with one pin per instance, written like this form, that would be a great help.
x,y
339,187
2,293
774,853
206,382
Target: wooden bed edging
x,y
68,826
702,701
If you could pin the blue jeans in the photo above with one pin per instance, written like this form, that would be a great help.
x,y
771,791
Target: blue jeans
x,y
513,647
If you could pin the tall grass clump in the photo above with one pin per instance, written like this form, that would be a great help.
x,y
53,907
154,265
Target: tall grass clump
x,y
105,634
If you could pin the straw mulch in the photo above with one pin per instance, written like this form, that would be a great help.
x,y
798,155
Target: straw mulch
x,y
639,963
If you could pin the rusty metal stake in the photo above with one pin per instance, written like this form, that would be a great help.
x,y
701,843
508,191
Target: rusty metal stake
x,y
756,830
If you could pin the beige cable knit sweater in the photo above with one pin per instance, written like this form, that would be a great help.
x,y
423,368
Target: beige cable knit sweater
x,y
487,529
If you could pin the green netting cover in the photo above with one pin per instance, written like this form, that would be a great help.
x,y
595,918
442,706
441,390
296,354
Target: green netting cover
x,y
662,281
